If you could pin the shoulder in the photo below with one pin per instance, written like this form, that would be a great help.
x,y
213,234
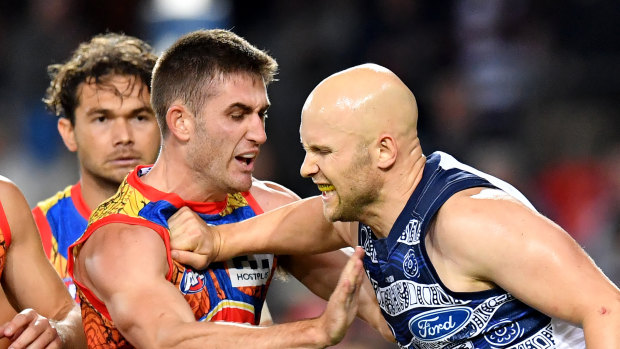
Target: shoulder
x,y
119,245
271,195
479,211
13,201
17,213
476,224
115,234
119,257
8,189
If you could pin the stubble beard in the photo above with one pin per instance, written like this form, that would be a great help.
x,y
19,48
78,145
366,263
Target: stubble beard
x,y
106,182
350,210
363,192
105,178
212,170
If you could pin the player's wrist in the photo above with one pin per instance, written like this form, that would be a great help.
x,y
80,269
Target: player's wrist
x,y
218,245
325,333
318,333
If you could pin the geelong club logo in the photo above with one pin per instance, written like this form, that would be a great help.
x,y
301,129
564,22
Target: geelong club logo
x,y
410,265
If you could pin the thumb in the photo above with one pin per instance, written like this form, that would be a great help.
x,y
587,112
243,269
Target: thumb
x,y
195,260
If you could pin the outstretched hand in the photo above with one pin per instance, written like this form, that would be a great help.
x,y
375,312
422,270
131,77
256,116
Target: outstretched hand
x,y
343,303
192,241
31,330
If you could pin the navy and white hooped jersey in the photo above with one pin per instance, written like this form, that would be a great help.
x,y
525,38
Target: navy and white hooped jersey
x,y
420,309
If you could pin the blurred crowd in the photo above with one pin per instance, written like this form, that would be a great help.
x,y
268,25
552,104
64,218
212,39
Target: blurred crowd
x,y
525,90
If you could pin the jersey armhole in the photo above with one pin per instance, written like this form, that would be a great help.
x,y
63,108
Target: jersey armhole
x,y
115,218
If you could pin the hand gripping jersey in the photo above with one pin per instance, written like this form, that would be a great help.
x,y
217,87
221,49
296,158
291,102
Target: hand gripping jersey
x,y
232,291
420,309
5,238
61,220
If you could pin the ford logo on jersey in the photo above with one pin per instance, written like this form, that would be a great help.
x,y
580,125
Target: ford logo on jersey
x,y
440,323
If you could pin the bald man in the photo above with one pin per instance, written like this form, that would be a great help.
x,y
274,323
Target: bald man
x,y
458,258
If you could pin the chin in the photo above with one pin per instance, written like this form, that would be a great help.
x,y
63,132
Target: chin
x,y
330,215
338,214
242,186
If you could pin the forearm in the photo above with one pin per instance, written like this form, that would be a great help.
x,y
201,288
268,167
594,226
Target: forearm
x,y
602,329
70,329
297,228
328,329
301,334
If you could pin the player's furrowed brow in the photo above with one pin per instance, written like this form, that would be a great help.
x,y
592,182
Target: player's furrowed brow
x,y
246,109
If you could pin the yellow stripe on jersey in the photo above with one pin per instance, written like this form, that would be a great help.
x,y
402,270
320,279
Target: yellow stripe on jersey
x,y
45,205
226,303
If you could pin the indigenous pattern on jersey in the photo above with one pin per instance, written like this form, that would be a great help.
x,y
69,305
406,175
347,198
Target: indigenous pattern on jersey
x,y
232,291
5,238
421,311
61,220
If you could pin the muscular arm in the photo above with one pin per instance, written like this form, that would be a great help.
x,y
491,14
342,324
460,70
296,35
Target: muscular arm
x,y
132,281
29,280
296,228
490,237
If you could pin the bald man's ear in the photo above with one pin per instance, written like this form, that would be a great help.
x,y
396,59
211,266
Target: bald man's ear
x,y
387,152
180,122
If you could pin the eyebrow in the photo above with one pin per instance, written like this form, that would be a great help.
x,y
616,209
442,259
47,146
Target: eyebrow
x,y
132,112
246,108
315,147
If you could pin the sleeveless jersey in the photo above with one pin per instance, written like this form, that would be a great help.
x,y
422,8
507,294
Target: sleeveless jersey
x,y
61,220
421,311
232,291
5,238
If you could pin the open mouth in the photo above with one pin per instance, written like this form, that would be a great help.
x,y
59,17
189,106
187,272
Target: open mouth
x,y
247,158
326,187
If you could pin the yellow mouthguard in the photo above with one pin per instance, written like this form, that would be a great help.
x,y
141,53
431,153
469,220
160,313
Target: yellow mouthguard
x,y
326,187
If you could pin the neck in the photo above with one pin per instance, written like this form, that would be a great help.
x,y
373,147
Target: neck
x,y
400,182
170,174
95,191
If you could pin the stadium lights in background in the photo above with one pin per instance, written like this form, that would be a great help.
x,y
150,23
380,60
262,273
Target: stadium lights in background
x,y
166,20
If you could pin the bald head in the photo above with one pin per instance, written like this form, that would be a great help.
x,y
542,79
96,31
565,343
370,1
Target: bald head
x,y
358,128
366,100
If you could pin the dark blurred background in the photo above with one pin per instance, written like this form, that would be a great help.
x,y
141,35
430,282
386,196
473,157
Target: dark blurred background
x,y
525,90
